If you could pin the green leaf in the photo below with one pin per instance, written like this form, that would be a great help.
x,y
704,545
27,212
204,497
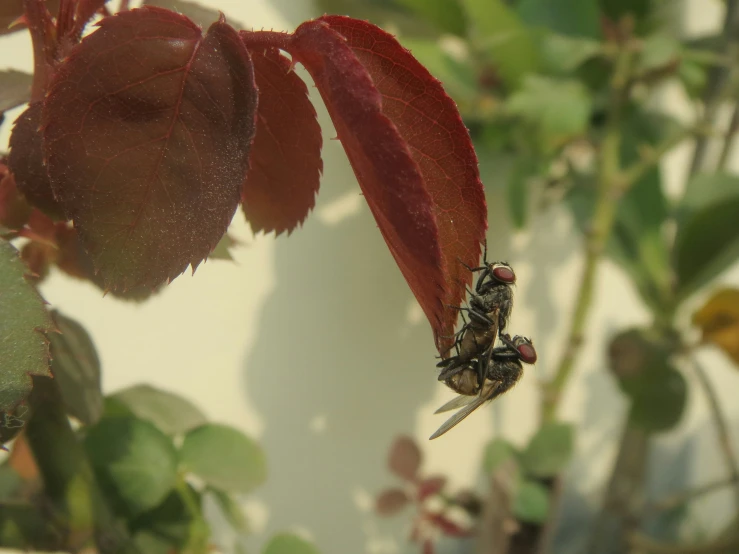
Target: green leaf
x,y
508,43
531,503
224,458
15,89
222,251
659,397
286,543
559,108
76,369
637,243
458,77
446,15
10,482
135,462
568,17
616,9
549,451
707,240
151,543
693,76
22,525
24,319
496,452
518,191
658,50
171,520
231,510
562,54
168,411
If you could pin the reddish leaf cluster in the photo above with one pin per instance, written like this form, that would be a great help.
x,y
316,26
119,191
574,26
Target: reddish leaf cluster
x,y
149,133
404,461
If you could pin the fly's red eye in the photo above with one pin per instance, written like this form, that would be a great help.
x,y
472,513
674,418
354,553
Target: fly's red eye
x,y
504,274
527,352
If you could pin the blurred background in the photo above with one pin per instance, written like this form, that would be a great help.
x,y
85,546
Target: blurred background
x,y
314,345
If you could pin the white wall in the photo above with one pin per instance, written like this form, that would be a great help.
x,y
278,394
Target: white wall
x,y
315,345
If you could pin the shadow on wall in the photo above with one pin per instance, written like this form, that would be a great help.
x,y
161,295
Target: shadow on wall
x,y
336,371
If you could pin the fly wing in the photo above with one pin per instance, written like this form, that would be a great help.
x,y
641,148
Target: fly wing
x,y
487,394
456,402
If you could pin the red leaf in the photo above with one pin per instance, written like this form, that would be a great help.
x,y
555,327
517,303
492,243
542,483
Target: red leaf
x,y
440,144
389,177
73,260
405,458
391,502
447,526
431,486
27,164
14,210
285,161
147,128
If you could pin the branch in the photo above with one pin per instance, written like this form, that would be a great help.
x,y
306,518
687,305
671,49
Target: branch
x,y
609,191
645,544
730,137
722,429
717,80
69,483
678,499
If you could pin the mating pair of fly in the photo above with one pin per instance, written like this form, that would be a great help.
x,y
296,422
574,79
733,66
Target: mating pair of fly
x,y
481,371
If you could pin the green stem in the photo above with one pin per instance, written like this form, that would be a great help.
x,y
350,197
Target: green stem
x,y
722,429
70,487
642,543
676,500
610,188
729,140
198,532
717,80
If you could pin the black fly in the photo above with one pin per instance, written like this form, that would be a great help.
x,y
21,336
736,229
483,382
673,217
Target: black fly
x,y
501,372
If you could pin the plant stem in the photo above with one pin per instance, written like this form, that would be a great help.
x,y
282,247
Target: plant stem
x,y
643,543
722,429
680,498
265,39
729,140
623,498
610,188
717,79
69,482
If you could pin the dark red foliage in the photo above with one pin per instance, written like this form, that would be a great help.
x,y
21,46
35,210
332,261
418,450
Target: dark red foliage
x,y
387,173
285,161
147,134
431,486
428,120
405,458
14,210
391,501
447,526
148,159
27,164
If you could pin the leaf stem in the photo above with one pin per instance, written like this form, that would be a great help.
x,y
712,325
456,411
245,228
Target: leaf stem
x,y
610,188
722,429
265,39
